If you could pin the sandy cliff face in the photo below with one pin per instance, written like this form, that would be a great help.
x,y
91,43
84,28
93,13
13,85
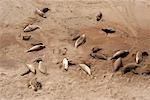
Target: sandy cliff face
x,y
65,19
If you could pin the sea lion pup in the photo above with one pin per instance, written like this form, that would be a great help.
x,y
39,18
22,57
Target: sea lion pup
x,y
109,30
30,28
34,84
129,67
65,64
121,53
117,64
99,16
42,68
98,56
40,13
31,68
85,68
139,57
80,40
36,48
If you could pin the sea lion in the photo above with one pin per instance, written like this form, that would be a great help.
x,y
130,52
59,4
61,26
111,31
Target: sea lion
x,y
44,10
129,67
36,43
145,70
80,40
109,30
65,64
42,68
96,49
139,57
34,84
36,48
98,56
30,28
25,71
121,53
75,37
117,64
99,16
85,68
40,13
31,68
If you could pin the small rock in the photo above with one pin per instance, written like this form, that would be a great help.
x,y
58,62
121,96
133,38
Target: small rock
x,y
38,60
26,37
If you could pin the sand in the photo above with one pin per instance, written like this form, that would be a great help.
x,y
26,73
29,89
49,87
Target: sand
x,y
66,18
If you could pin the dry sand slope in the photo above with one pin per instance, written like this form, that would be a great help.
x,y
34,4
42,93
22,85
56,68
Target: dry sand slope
x,y
66,18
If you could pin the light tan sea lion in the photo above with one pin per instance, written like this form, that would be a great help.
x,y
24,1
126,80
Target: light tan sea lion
x,y
118,64
80,40
40,13
36,48
120,53
85,68
139,57
30,28
31,68
65,63
42,68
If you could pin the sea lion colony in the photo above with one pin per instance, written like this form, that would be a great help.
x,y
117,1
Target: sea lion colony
x,y
79,41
